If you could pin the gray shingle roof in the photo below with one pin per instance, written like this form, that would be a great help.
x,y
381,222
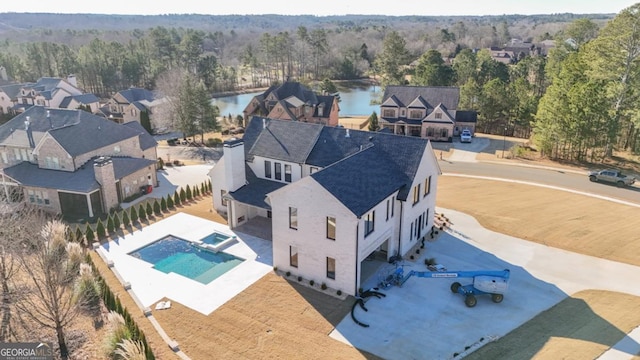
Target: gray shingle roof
x,y
255,191
363,180
446,95
39,121
146,140
136,94
466,116
82,99
83,180
283,140
12,90
123,166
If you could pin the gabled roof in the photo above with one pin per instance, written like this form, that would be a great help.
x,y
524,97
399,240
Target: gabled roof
x,y
447,95
39,121
363,180
146,140
123,166
291,88
12,90
84,99
136,94
286,140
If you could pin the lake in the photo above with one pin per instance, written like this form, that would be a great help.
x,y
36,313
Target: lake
x,y
354,101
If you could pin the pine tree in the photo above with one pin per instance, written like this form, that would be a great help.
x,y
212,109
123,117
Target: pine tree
x,y
116,221
133,215
163,205
149,210
125,218
183,195
170,204
110,225
100,231
209,188
188,193
142,214
79,234
202,191
156,207
176,198
374,125
89,235
196,192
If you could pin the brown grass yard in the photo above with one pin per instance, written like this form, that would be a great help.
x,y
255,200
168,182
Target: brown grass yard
x,y
582,326
552,217
274,318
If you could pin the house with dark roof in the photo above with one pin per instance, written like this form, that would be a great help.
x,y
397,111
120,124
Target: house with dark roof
x,y
128,105
9,97
48,92
89,102
293,101
425,111
333,197
73,162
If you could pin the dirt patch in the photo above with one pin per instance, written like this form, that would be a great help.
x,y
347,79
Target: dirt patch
x,y
555,218
582,326
272,319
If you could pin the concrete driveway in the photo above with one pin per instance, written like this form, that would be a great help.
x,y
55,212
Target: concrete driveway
x,y
425,320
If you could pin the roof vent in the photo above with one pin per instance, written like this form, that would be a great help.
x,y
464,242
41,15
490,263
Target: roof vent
x,y
26,124
347,134
264,123
49,118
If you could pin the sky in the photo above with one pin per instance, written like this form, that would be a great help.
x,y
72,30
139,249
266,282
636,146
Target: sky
x,y
320,8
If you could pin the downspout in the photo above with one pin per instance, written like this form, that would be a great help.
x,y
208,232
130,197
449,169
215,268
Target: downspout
x,y
356,283
400,228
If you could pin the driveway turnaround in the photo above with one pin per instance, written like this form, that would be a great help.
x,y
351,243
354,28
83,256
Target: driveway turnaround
x,y
423,319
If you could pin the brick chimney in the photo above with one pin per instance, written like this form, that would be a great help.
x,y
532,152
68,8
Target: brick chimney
x,y
105,176
234,173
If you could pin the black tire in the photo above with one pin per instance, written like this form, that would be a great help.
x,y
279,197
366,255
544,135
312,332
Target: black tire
x,y
497,298
620,184
593,178
455,286
470,301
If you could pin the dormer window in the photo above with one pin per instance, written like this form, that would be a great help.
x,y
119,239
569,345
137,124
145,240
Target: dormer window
x,y
388,113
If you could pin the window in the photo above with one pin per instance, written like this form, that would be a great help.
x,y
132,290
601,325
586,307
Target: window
x,y
438,115
416,194
278,171
369,221
411,233
293,218
388,113
430,132
51,162
331,228
293,256
267,169
444,133
222,199
388,201
287,173
427,185
38,197
415,114
5,159
313,170
331,268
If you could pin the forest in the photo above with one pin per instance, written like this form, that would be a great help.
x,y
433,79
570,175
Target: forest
x,y
577,102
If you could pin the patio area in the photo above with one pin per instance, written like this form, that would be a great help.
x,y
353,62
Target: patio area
x,y
151,285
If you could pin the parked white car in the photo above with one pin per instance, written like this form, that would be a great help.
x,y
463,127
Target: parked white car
x,y
465,136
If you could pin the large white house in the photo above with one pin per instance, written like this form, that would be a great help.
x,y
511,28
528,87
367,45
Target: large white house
x,y
334,196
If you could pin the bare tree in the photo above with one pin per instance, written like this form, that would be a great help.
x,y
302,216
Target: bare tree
x,y
16,226
51,268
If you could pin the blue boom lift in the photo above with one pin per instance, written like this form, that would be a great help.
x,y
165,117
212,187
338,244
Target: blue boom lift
x,y
485,282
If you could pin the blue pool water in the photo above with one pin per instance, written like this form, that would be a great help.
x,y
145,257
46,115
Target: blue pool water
x,y
172,254
215,238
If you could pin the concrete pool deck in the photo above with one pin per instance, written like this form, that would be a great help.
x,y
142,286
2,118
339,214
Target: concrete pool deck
x,y
151,285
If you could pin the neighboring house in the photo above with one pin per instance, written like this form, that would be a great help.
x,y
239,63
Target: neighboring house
x,y
425,111
333,196
47,92
9,97
293,101
87,101
126,105
73,162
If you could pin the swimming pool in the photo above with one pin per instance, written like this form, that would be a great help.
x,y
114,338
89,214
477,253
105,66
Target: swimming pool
x,y
172,254
215,238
